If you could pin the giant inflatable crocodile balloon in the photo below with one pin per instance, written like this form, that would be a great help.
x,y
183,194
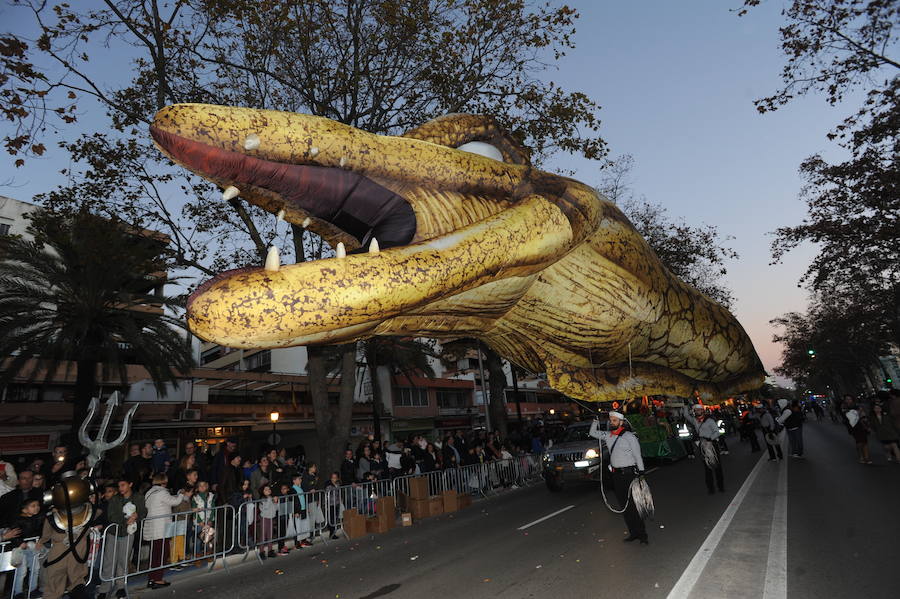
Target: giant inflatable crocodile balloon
x,y
448,231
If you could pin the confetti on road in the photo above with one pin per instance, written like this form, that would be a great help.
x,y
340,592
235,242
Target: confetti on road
x,y
656,585
538,566
486,580
279,572
414,558
662,526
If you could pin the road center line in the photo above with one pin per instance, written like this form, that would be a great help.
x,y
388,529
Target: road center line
x,y
547,517
691,574
776,564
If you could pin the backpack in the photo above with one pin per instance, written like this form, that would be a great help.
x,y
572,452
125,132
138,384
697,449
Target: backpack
x,y
794,420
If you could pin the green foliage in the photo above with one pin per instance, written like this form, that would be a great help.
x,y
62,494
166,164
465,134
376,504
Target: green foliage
x,y
840,333
83,294
832,47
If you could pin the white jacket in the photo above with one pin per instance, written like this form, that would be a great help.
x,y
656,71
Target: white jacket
x,y
159,503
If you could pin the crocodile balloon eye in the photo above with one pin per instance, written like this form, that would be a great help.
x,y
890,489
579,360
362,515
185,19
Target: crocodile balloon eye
x,y
482,149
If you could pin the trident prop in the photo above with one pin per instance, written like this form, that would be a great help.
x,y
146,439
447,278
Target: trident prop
x,y
99,446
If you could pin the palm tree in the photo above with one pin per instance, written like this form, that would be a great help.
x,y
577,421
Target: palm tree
x,y
82,294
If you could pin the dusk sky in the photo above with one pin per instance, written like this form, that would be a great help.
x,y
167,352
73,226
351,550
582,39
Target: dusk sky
x,y
676,82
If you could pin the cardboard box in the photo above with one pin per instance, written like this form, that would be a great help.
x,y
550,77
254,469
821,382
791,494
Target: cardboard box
x,y
406,519
354,524
436,506
385,507
419,508
418,487
376,524
451,501
464,500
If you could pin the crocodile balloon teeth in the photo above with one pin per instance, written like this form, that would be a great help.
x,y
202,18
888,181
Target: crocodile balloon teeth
x,y
230,193
251,142
273,260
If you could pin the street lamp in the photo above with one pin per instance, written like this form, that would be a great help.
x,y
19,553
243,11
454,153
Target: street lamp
x,y
274,418
552,411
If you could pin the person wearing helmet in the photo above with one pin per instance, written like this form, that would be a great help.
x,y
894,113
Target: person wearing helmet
x,y
708,438
66,532
626,464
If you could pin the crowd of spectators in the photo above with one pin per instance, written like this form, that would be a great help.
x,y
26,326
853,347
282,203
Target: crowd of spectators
x,y
266,490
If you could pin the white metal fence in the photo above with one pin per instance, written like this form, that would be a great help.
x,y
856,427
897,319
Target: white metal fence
x,y
158,543
204,536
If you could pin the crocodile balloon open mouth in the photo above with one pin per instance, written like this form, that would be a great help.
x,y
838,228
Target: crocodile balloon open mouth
x,y
443,242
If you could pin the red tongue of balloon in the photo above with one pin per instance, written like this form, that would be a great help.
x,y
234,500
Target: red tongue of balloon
x,y
348,200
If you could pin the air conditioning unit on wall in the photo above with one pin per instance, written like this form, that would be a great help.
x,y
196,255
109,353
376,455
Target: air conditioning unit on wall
x,y
190,414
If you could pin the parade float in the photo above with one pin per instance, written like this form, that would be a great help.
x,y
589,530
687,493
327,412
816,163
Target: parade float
x,y
448,231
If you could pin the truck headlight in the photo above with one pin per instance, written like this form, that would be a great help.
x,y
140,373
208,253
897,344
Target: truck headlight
x,y
591,454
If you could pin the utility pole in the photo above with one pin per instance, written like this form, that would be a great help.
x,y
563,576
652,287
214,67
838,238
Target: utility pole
x,y
516,392
484,399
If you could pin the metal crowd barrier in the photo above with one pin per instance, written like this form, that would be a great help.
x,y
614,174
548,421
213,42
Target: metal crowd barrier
x,y
26,570
478,479
211,534
268,527
28,563
185,538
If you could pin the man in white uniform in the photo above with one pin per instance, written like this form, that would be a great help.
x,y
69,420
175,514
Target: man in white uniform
x,y
708,433
626,463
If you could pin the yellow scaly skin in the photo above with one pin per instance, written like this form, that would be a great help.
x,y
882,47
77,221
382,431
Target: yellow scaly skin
x,y
542,268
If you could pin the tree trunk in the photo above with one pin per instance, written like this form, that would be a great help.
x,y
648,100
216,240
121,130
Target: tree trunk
x,y
85,382
497,385
332,420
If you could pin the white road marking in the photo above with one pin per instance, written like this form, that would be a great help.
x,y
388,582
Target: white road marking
x,y
691,574
776,565
547,517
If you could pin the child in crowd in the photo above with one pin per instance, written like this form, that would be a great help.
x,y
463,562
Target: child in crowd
x,y
303,524
204,502
30,522
178,552
247,531
161,458
333,502
285,512
268,511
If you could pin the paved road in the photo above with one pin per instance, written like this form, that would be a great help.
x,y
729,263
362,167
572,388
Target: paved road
x,y
839,532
